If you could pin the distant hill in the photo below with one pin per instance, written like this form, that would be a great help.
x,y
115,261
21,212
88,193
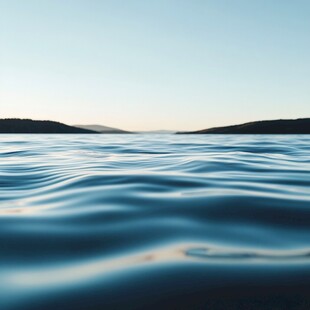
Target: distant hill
x,y
15,125
102,129
157,131
295,126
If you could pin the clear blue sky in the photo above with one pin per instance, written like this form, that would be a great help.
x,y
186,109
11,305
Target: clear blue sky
x,y
162,64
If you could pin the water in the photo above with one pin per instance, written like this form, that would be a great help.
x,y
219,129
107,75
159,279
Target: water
x,y
154,222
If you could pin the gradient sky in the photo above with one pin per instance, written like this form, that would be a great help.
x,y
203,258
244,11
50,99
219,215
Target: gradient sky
x,y
162,64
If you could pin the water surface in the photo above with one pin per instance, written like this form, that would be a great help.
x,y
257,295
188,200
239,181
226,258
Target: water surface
x,y
154,221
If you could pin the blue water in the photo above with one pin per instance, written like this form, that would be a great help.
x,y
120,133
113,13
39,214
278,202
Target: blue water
x,y
154,222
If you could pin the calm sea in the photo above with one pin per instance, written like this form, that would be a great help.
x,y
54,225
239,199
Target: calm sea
x,y
154,222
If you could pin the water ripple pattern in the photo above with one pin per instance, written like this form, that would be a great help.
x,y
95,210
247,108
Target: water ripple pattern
x,y
154,221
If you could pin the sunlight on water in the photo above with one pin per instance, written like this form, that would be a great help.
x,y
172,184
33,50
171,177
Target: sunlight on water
x,y
147,220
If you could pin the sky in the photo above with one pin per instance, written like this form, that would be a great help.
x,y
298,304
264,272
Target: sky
x,y
162,64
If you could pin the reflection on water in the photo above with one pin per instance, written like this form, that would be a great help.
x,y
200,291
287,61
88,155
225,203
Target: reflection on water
x,y
154,221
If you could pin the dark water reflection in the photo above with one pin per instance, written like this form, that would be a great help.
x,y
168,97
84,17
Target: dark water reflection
x,y
154,221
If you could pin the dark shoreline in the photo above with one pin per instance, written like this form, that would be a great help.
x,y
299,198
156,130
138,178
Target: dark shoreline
x,y
28,126
272,127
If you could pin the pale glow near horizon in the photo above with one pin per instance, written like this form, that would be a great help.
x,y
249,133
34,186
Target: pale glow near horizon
x,y
146,65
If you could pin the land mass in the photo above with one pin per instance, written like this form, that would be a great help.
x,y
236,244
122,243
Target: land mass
x,y
15,125
102,129
160,131
281,126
